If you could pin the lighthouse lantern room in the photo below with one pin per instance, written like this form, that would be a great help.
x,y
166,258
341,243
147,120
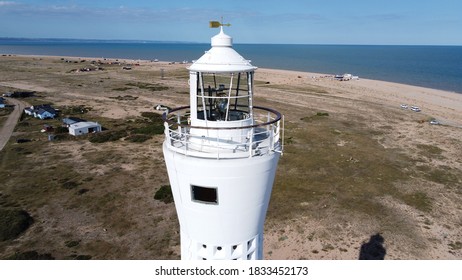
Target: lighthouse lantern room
x,y
221,154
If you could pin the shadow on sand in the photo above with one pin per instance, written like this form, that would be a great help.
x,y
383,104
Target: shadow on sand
x,y
373,249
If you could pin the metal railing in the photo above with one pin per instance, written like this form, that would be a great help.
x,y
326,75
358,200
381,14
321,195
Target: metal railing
x,y
263,137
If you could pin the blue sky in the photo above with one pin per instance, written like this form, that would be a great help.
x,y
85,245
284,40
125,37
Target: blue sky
x,y
396,22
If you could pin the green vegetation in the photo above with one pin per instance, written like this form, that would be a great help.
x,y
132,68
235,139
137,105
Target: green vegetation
x,y
75,110
149,129
418,200
89,199
327,247
455,245
61,130
69,185
283,238
322,114
153,124
138,138
72,243
121,89
137,131
81,192
441,175
13,222
125,97
318,115
147,86
430,150
30,255
105,136
154,118
6,111
82,257
317,172
164,194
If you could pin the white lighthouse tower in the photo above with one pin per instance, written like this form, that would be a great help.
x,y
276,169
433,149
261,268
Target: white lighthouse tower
x,y
221,154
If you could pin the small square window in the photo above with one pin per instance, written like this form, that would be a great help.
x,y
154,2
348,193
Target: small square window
x,y
204,194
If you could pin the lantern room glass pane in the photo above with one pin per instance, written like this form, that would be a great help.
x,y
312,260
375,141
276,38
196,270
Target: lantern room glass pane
x,y
223,97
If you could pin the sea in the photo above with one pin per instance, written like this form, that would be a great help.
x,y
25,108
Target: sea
x,y
438,67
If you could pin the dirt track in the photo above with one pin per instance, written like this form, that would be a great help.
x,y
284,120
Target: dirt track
x,y
9,125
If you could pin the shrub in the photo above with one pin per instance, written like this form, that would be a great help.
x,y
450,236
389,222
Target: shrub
x,y
138,138
153,117
70,185
75,110
106,136
164,194
72,243
83,257
30,255
318,115
152,87
82,191
13,222
64,137
61,129
6,111
149,129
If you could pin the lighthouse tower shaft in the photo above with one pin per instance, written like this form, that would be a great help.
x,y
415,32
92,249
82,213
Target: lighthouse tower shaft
x,y
221,154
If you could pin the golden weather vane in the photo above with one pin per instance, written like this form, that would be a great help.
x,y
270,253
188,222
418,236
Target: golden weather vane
x,y
216,24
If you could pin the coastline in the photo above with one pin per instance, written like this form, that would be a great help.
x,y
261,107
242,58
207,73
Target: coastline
x,y
364,168
444,105
417,65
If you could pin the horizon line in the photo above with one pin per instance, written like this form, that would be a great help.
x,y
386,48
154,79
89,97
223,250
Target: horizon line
x,y
193,42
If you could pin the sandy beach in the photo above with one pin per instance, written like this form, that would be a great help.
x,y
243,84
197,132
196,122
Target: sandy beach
x,y
377,103
367,167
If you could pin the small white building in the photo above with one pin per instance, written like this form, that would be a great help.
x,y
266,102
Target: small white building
x,y
80,128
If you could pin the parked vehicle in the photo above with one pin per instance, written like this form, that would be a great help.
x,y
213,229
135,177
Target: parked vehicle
x,y
415,109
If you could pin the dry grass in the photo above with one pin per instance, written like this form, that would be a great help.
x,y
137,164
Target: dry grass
x,y
316,171
345,174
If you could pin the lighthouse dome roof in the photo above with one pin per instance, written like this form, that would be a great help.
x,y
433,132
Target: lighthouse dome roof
x,y
222,57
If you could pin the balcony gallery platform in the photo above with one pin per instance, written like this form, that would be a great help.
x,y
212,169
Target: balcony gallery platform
x,y
217,141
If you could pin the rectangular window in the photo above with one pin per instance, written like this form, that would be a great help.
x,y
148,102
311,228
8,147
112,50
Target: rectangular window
x,y
204,194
